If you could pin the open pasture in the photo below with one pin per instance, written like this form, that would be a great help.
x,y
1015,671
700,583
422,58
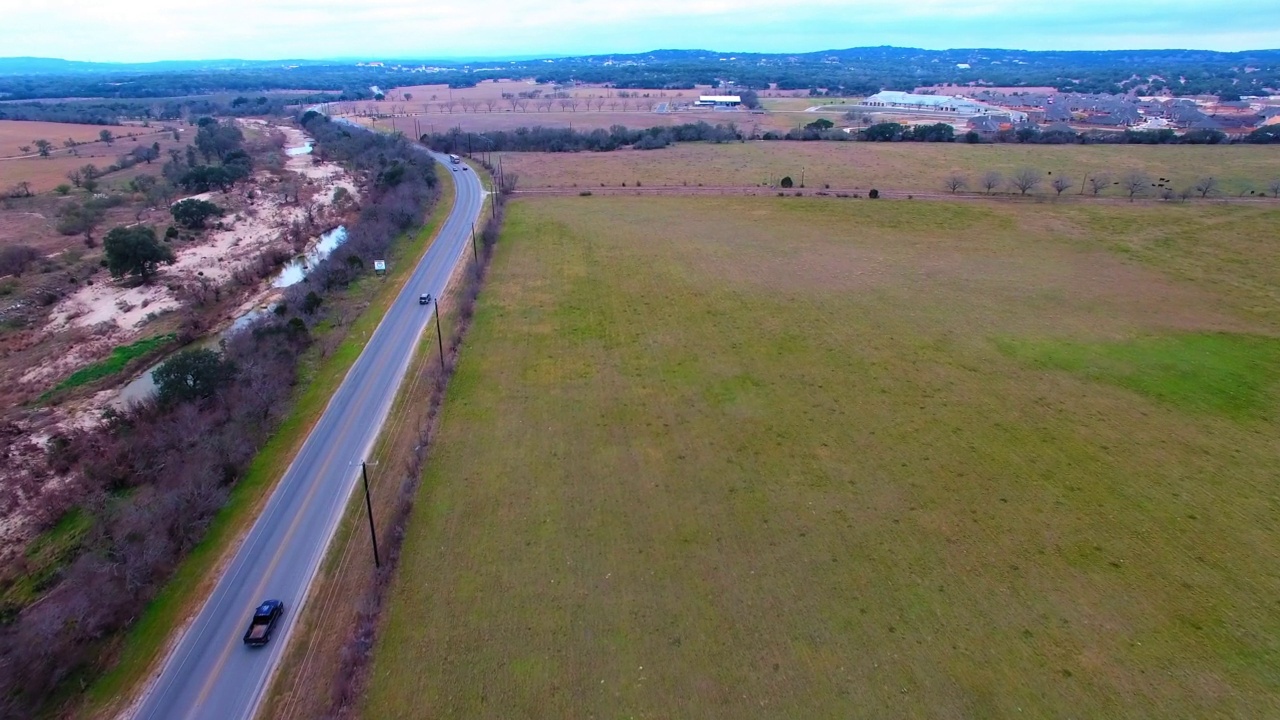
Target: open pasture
x,y
798,457
918,167
46,173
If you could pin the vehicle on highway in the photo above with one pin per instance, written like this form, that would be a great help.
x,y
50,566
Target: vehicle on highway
x,y
424,299
455,159
264,621
464,167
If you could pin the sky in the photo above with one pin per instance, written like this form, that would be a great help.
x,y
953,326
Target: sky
x,y
148,30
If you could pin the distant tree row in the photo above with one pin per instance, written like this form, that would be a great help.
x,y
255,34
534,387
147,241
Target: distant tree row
x,y
854,71
1132,184
541,139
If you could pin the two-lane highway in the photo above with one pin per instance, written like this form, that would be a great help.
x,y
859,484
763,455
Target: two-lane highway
x,y
210,673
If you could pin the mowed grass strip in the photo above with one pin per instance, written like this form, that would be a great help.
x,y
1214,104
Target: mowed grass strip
x,y
117,361
918,167
772,458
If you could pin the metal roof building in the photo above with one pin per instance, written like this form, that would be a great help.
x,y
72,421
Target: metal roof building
x,y
719,100
931,103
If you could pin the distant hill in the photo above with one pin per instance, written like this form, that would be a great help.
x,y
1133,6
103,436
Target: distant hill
x,y
849,71
56,66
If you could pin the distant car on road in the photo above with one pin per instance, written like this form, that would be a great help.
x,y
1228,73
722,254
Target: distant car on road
x,y
264,621
424,299
464,167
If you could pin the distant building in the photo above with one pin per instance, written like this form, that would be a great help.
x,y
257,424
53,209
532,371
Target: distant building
x,y
949,104
719,101
927,103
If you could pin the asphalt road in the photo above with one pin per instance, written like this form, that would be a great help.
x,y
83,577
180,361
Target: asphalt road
x,y
211,673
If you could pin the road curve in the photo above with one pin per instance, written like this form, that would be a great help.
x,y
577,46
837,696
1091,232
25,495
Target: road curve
x,y
211,673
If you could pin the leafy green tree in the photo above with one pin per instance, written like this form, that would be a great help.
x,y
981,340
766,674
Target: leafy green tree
x,y
195,374
1266,134
135,251
81,219
820,124
192,213
883,132
217,140
106,136
44,147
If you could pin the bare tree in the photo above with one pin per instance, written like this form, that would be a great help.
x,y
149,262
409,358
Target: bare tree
x,y
468,104
613,104
1167,194
1274,188
991,181
546,103
1026,179
450,103
1135,183
1098,183
1205,185
1061,183
523,105
956,182
1186,194
598,102
511,98
490,102
565,103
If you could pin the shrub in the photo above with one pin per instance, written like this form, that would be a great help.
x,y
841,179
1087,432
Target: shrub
x,y
874,194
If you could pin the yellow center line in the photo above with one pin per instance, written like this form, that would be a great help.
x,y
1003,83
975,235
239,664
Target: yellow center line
x,y
293,527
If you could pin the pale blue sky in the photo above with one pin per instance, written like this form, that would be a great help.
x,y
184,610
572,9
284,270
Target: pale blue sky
x,y
144,30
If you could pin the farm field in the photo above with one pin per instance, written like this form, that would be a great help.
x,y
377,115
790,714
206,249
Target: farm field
x,y
919,167
46,173
585,120
806,457
16,133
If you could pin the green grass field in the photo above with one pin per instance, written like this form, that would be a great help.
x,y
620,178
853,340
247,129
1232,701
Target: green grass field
x,y
918,167
117,361
796,458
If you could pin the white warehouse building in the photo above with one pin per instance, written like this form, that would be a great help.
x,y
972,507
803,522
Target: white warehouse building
x,y
937,104
719,101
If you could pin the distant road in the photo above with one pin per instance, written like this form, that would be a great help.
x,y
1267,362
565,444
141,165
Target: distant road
x,y
211,674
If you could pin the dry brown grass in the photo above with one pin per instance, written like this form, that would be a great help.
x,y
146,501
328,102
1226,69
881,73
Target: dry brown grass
x,y
16,133
770,458
581,120
46,173
920,167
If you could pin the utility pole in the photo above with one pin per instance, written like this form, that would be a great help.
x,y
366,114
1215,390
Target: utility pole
x,y
368,505
439,334
474,255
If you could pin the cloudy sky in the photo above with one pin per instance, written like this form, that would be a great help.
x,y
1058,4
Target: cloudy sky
x,y
144,30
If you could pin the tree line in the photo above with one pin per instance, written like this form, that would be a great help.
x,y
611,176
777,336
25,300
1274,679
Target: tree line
x,y
152,477
541,139
1132,184
853,71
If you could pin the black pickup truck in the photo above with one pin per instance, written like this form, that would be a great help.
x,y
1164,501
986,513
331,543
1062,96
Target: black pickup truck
x,y
265,617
